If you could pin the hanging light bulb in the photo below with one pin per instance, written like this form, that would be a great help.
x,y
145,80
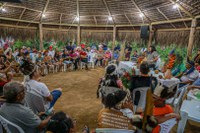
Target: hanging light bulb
x,y
77,18
175,6
3,9
43,15
109,18
141,15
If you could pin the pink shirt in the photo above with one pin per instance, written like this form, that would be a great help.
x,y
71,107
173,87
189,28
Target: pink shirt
x,y
73,55
198,68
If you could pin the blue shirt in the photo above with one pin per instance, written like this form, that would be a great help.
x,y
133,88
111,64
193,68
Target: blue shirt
x,y
197,82
69,48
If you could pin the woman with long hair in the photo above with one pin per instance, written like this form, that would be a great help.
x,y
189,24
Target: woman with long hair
x,y
152,57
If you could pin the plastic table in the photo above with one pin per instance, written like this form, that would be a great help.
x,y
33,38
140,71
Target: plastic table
x,y
190,110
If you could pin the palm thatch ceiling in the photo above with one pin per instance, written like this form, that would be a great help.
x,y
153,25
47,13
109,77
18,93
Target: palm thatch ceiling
x,y
167,13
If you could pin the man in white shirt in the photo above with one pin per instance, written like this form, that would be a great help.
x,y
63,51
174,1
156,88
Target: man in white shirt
x,y
29,69
51,52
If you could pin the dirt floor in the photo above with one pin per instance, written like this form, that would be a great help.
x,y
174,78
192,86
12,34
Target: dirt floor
x,y
79,97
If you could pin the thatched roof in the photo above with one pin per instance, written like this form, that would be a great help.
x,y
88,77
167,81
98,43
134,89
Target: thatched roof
x,y
123,13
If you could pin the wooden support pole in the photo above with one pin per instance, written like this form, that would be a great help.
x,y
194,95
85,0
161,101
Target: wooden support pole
x,y
78,35
114,37
150,35
192,36
41,36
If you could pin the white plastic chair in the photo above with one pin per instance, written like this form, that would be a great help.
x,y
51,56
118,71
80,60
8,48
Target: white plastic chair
x,y
91,60
142,100
6,124
182,122
177,100
112,130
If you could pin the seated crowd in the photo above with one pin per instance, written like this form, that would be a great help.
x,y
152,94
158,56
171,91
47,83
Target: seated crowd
x,y
120,109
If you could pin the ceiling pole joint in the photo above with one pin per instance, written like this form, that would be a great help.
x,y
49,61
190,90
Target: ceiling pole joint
x,y
44,10
108,10
20,17
182,8
165,17
133,1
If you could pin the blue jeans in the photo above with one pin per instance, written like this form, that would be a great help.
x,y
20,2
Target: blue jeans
x,y
56,94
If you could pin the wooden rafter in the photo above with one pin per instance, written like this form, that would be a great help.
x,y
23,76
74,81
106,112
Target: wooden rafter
x,y
128,20
108,10
12,19
3,5
182,8
171,21
78,26
44,10
165,17
133,1
16,6
90,25
20,17
34,19
95,19
182,17
185,4
77,12
61,18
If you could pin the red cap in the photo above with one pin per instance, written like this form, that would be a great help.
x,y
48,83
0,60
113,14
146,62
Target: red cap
x,y
82,45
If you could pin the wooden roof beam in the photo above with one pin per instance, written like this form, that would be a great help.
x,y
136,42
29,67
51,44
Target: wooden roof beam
x,y
3,5
20,17
40,14
182,17
182,8
95,19
185,4
60,21
108,10
78,11
61,18
165,17
153,23
128,20
171,21
133,1
12,19
44,10
15,6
